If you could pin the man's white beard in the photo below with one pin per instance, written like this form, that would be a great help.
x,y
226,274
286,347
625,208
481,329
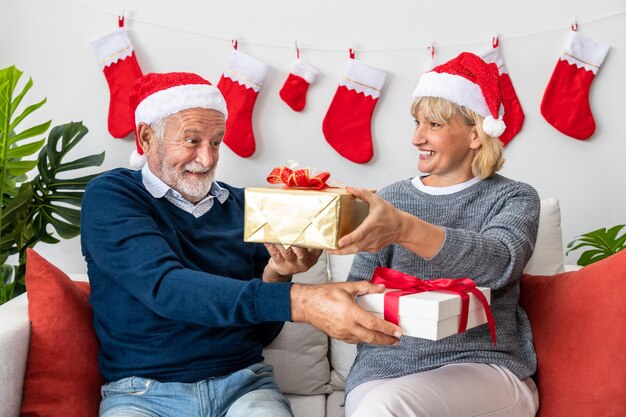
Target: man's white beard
x,y
195,188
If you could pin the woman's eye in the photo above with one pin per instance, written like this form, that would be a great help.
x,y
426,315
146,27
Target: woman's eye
x,y
417,123
434,124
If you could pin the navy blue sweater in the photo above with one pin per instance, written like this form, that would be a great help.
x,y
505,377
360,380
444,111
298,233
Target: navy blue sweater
x,y
175,298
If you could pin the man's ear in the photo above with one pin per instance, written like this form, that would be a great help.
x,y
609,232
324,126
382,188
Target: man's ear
x,y
475,141
147,138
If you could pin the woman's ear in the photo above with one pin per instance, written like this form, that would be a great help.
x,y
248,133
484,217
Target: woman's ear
x,y
475,140
146,137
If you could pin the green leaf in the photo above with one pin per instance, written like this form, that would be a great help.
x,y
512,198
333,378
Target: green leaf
x,y
18,99
25,150
70,214
69,197
20,167
23,198
71,184
87,161
29,133
620,243
603,243
592,256
28,110
64,229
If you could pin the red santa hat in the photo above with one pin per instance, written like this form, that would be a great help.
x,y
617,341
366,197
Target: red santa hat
x,y
470,82
155,96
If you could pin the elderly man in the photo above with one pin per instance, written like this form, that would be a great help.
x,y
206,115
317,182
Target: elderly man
x,y
182,306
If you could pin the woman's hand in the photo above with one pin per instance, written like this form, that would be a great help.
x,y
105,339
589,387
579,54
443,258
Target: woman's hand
x,y
385,225
284,262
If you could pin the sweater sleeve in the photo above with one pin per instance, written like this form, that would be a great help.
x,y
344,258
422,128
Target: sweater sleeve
x,y
495,255
364,264
123,242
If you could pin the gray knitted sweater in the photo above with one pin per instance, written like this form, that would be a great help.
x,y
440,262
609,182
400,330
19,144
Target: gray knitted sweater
x,y
490,232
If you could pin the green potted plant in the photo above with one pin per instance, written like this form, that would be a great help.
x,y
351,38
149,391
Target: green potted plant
x,y
36,200
603,243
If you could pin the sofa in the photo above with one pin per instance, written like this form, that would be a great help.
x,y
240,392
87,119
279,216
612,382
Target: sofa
x,y
47,360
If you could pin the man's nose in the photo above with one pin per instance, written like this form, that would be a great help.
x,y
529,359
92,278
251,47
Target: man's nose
x,y
204,155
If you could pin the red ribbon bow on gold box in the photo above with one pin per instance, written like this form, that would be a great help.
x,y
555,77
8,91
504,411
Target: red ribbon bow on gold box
x,y
298,178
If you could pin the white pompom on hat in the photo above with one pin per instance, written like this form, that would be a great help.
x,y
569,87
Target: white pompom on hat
x,y
158,95
470,82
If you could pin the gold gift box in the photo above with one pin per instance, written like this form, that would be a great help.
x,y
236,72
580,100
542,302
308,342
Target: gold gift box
x,y
301,217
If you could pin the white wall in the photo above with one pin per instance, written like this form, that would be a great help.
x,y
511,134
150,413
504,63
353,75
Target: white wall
x,y
49,41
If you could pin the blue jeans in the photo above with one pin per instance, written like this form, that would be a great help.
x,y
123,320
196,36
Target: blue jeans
x,y
246,393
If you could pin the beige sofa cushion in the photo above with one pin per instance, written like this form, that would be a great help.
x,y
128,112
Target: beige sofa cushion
x,y
308,405
300,352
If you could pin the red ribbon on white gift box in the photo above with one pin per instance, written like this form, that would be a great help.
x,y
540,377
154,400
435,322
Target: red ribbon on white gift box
x,y
408,284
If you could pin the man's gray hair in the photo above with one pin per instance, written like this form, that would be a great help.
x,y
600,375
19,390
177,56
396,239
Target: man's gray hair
x,y
158,128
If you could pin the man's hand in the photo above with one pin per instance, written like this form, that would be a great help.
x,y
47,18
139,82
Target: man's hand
x,y
331,308
285,262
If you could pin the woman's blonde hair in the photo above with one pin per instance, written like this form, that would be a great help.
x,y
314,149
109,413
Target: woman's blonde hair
x,y
488,158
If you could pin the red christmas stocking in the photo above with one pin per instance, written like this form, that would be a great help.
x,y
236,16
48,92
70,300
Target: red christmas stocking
x,y
297,83
116,56
565,103
240,84
347,125
513,114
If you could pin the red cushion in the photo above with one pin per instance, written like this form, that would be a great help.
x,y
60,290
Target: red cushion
x,y
578,321
62,376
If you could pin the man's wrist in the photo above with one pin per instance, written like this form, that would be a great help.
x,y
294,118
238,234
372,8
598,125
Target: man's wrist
x,y
269,275
298,302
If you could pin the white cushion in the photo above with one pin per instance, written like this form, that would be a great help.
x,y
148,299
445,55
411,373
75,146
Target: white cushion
x,y
300,352
14,342
334,404
342,354
548,256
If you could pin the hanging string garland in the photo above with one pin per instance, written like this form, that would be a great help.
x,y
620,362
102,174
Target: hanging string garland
x,y
412,46
355,143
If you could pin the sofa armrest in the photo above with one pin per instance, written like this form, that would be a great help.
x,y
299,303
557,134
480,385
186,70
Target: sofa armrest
x,y
572,267
14,343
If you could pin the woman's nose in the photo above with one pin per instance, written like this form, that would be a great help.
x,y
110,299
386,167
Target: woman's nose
x,y
418,136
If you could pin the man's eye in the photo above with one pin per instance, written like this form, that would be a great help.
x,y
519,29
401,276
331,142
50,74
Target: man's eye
x,y
191,141
216,144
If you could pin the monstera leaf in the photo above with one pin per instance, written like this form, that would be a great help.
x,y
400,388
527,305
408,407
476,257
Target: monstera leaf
x,y
48,204
603,243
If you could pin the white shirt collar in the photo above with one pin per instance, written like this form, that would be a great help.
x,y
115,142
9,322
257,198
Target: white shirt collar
x,y
158,189
417,183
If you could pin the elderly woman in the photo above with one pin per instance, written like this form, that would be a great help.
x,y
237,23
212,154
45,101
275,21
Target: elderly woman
x,y
461,219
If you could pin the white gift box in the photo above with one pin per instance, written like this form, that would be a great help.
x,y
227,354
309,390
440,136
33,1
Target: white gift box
x,y
432,314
